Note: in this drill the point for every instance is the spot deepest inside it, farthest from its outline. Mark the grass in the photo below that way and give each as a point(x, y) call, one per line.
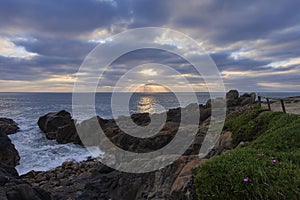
point(268, 168)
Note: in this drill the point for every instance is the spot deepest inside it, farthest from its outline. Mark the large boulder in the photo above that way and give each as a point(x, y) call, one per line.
point(232, 98)
point(247, 99)
point(67, 133)
point(8, 126)
point(59, 126)
point(253, 97)
point(8, 153)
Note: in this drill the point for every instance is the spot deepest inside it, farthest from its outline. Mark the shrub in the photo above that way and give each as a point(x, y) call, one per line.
point(243, 125)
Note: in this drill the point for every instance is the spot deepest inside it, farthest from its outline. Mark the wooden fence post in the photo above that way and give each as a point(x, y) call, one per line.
point(269, 106)
point(259, 101)
point(282, 105)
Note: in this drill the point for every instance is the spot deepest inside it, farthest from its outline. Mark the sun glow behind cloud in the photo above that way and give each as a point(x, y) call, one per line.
point(151, 88)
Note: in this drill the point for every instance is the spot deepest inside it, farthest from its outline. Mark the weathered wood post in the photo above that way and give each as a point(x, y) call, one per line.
point(269, 106)
point(259, 101)
point(282, 105)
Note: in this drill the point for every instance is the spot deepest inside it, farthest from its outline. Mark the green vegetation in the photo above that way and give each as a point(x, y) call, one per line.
point(268, 168)
point(243, 125)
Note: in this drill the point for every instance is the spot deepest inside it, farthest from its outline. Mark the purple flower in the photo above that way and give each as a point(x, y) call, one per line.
point(274, 161)
point(246, 179)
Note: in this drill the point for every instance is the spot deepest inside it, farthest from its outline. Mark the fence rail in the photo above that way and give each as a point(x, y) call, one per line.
point(282, 100)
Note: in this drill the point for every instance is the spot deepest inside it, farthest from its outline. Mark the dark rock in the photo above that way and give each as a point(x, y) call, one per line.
point(141, 119)
point(208, 104)
point(67, 133)
point(7, 173)
point(52, 121)
point(205, 114)
point(232, 94)
point(102, 182)
point(253, 97)
point(8, 153)
point(232, 98)
point(174, 115)
point(59, 126)
point(246, 99)
point(20, 189)
point(197, 142)
point(14, 188)
point(8, 126)
point(11, 186)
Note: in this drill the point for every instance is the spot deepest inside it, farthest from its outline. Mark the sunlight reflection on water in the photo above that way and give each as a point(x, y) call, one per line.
point(145, 104)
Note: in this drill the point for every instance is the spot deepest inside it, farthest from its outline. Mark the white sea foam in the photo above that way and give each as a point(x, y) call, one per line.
point(39, 154)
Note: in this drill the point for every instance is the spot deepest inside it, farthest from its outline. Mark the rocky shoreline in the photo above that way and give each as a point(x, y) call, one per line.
point(92, 180)
point(12, 187)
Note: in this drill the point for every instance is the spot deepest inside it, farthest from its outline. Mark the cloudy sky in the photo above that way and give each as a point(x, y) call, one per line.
point(255, 44)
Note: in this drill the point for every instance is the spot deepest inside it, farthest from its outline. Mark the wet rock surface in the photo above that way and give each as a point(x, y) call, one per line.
point(8, 126)
point(59, 126)
point(11, 186)
point(8, 153)
point(14, 188)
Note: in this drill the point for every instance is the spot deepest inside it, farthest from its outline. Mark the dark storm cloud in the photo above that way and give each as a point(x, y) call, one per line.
point(61, 17)
point(144, 56)
point(224, 61)
point(59, 31)
point(57, 47)
point(150, 13)
point(38, 68)
point(225, 22)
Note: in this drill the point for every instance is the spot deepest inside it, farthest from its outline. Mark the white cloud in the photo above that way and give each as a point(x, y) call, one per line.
point(9, 49)
point(149, 72)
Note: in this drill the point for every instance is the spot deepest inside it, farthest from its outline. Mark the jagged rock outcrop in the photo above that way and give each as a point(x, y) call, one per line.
point(59, 126)
point(8, 153)
point(8, 126)
point(14, 188)
point(92, 180)
point(247, 99)
point(11, 186)
point(233, 99)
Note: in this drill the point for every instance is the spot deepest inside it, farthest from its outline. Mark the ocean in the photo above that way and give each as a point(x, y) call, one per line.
point(38, 153)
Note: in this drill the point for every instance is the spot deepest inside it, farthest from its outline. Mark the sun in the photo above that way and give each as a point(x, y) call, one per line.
point(149, 72)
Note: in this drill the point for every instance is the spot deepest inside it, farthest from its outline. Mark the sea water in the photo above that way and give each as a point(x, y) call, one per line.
point(38, 153)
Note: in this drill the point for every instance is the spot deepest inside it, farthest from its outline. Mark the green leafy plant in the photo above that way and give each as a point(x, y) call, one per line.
point(268, 168)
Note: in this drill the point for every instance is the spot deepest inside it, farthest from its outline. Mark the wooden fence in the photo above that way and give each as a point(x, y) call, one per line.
point(282, 100)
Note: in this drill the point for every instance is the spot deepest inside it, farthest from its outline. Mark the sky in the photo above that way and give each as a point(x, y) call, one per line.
point(254, 44)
